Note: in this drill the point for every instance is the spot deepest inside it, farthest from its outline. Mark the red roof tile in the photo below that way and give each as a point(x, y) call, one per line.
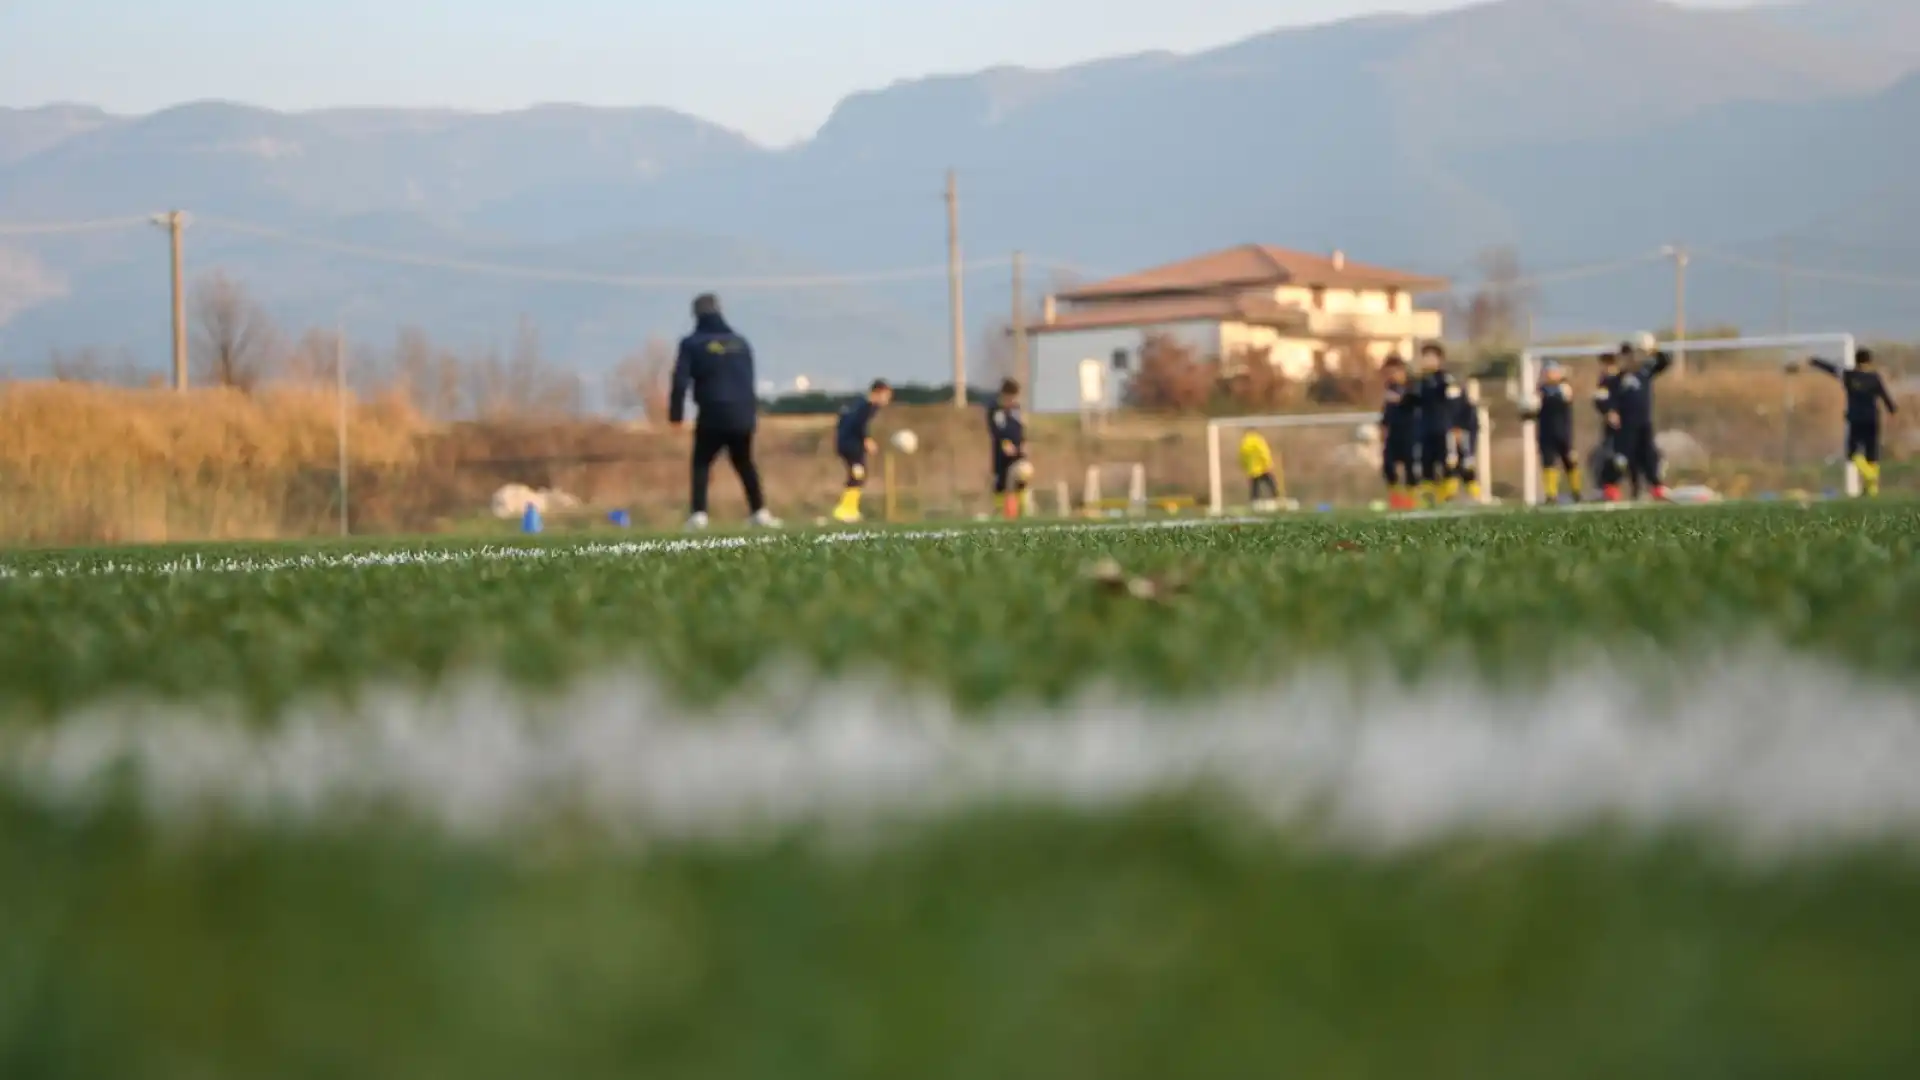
point(1252, 265)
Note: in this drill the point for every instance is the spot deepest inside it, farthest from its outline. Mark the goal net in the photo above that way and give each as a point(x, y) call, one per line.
point(1734, 418)
point(1327, 460)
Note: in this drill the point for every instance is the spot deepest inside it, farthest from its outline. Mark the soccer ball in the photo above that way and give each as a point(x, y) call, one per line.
point(1366, 433)
point(906, 442)
point(1645, 342)
point(1023, 471)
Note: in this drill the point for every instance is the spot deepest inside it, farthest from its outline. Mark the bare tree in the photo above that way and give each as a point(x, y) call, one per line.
point(89, 366)
point(643, 381)
point(1495, 313)
point(314, 358)
point(1172, 377)
point(522, 384)
point(236, 344)
point(432, 378)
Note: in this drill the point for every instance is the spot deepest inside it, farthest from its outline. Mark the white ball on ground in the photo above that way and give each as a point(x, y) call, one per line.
point(1023, 471)
point(906, 442)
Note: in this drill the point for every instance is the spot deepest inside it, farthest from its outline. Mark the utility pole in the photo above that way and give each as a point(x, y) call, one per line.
point(175, 222)
point(340, 394)
point(1022, 370)
point(956, 308)
point(1786, 286)
point(1679, 255)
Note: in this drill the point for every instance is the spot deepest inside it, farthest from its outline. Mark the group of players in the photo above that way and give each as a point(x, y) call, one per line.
point(853, 443)
point(1429, 433)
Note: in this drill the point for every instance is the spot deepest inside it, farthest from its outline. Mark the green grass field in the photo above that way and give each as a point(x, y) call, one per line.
point(1615, 794)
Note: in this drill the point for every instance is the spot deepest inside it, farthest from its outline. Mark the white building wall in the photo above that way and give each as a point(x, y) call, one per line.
point(1056, 360)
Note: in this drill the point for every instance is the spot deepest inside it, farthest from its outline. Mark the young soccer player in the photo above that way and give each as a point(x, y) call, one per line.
point(1464, 442)
point(1632, 415)
point(1608, 463)
point(1866, 393)
point(1009, 435)
point(1399, 435)
point(853, 442)
point(1439, 396)
point(1552, 416)
point(1256, 460)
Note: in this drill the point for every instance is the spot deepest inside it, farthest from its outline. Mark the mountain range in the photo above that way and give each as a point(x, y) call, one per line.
point(1575, 131)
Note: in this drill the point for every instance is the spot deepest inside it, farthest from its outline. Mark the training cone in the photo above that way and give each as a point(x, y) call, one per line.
point(530, 522)
point(620, 519)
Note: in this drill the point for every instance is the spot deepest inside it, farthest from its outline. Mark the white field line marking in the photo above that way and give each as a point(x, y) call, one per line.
point(626, 549)
point(1780, 754)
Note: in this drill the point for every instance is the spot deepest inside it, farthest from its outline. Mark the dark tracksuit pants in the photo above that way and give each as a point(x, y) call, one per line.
point(1863, 440)
point(1400, 458)
point(737, 444)
point(1433, 455)
point(1636, 443)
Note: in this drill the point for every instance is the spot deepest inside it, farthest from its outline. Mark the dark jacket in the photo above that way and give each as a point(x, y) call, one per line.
point(1865, 393)
point(1553, 413)
point(850, 432)
point(716, 365)
point(1440, 396)
point(1005, 427)
point(1633, 392)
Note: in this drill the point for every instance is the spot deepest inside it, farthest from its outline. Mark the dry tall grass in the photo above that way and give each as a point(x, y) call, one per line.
point(96, 464)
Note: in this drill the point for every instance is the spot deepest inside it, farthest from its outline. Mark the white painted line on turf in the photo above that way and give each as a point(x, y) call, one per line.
point(1786, 755)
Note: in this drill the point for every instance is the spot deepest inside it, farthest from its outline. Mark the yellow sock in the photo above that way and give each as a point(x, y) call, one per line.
point(1551, 480)
point(1574, 484)
point(849, 503)
point(1473, 490)
point(1869, 475)
point(1449, 489)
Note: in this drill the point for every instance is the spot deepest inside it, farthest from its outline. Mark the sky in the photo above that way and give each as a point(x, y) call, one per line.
point(770, 68)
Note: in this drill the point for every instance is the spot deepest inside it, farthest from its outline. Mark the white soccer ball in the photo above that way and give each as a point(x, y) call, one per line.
point(1023, 471)
point(1366, 433)
point(906, 442)
point(1645, 342)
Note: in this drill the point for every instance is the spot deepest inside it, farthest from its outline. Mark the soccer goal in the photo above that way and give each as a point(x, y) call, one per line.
point(1320, 459)
point(1737, 417)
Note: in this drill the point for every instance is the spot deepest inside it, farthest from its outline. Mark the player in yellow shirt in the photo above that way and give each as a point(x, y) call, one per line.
point(1256, 459)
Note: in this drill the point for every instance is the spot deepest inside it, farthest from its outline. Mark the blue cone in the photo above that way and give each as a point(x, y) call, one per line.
point(530, 520)
point(1326, 508)
point(620, 519)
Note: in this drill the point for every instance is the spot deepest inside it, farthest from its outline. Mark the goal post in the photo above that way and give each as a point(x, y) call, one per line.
point(1321, 455)
point(1763, 405)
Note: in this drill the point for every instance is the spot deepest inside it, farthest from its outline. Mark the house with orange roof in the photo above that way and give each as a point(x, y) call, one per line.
point(1303, 309)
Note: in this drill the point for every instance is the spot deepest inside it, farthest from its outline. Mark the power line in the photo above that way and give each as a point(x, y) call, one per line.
point(59, 228)
point(1811, 273)
point(622, 281)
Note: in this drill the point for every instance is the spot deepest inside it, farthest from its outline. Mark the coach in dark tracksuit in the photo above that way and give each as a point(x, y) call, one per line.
point(1866, 393)
point(1632, 419)
point(715, 366)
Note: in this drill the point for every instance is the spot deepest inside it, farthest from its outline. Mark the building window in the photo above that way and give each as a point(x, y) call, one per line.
point(1319, 298)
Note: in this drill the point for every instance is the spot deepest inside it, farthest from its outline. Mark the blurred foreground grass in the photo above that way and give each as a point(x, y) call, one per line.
point(1167, 941)
point(985, 614)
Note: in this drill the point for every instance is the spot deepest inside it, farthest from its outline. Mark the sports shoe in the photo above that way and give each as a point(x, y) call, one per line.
point(763, 519)
point(696, 523)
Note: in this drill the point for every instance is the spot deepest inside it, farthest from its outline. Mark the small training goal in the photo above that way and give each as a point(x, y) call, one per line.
point(1733, 417)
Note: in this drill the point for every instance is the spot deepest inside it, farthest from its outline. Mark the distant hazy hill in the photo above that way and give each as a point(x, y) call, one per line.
point(1577, 129)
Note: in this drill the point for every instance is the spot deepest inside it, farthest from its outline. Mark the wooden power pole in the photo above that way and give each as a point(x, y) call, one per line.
point(176, 223)
point(956, 308)
point(1022, 369)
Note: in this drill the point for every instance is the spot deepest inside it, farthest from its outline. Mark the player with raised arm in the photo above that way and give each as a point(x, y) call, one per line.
point(1399, 435)
point(1631, 417)
point(1439, 396)
point(1009, 435)
point(1866, 393)
point(1551, 412)
point(853, 442)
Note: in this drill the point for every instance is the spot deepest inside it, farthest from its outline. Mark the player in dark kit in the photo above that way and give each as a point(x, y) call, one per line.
point(1465, 444)
point(1552, 416)
point(1009, 435)
point(853, 442)
point(1439, 395)
point(1399, 435)
point(1608, 462)
point(715, 366)
point(1866, 393)
point(1631, 417)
